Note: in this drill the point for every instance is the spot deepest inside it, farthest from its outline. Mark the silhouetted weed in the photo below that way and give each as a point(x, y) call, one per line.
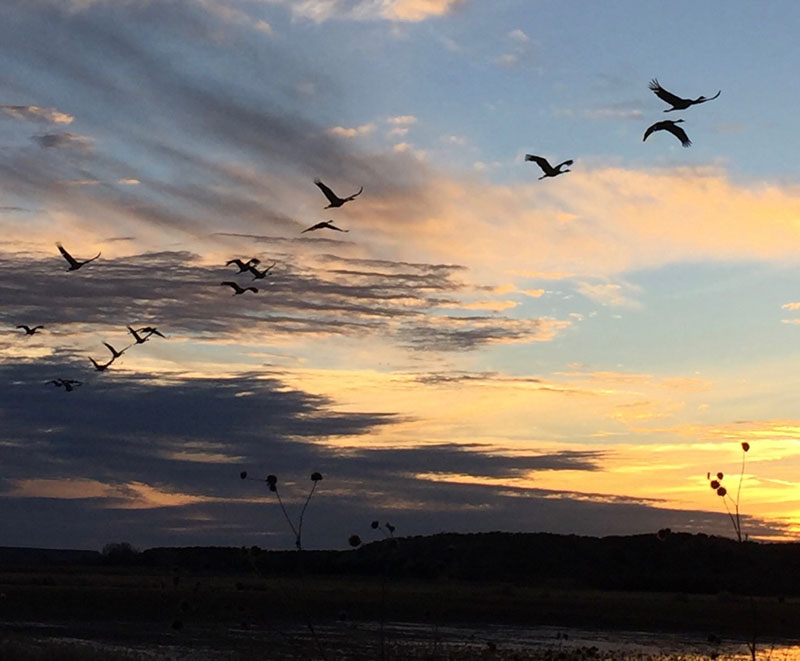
point(731, 504)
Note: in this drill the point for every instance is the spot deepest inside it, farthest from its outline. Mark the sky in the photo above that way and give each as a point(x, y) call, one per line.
point(480, 350)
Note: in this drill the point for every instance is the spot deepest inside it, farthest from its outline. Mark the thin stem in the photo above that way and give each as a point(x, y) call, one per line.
point(302, 514)
point(288, 520)
point(738, 492)
point(733, 521)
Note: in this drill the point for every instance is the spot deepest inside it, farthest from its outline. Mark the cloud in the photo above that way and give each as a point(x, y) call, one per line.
point(614, 294)
point(791, 306)
point(466, 333)
point(63, 140)
point(615, 111)
point(520, 48)
point(343, 132)
point(402, 120)
point(37, 114)
point(370, 10)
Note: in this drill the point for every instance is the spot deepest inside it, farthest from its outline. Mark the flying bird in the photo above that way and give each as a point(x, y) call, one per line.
point(100, 367)
point(243, 266)
point(151, 330)
point(138, 338)
point(68, 384)
point(260, 275)
point(237, 289)
point(28, 329)
point(677, 102)
point(114, 353)
point(333, 198)
point(324, 224)
point(74, 264)
point(549, 170)
point(669, 125)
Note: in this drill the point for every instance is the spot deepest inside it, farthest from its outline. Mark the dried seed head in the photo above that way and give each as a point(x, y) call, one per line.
point(243, 475)
point(374, 525)
point(720, 476)
point(745, 446)
point(354, 541)
point(722, 491)
point(316, 477)
point(714, 484)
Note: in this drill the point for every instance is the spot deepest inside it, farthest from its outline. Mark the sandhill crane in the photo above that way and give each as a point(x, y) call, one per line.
point(677, 102)
point(260, 275)
point(237, 290)
point(74, 264)
point(669, 125)
point(28, 329)
point(323, 225)
point(114, 353)
point(137, 338)
point(68, 384)
point(333, 198)
point(100, 367)
point(151, 330)
point(549, 170)
point(243, 266)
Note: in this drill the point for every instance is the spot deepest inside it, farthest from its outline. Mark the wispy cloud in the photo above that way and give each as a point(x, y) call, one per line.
point(37, 114)
point(63, 140)
point(344, 132)
point(370, 10)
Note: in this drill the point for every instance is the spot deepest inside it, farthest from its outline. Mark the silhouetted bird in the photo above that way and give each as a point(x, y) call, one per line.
point(28, 330)
point(323, 225)
point(335, 200)
point(243, 266)
point(237, 289)
point(68, 384)
point(99, 366)
point(260, 275)
point(549, 170)
point(151, 330)
point(74, 264)
point(138, 338)
point(114, 353)
point(677, 102)
point(669, 125)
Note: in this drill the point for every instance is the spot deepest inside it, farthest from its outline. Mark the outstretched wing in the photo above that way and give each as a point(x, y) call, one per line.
point(679, 133)
point(234, 285)
point(540, 161)
point(67, 256)
point(355, 195)
point(315, 227)
point(332, 197)
point(664, 95)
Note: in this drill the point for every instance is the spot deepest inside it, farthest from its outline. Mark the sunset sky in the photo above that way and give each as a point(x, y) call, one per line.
point(480, 351)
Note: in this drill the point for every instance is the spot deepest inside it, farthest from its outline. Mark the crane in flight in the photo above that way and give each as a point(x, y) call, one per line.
point(334, 200)
point(74, 264)
point(260, 275)
point(549, 170)
point(671, 126)
point(237, 290)
point(677, 102)
point(29, 330)
point(325, 224)
point(68, 384)
point(243, 266)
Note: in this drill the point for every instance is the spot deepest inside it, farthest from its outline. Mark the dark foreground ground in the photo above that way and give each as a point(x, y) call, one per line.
point(248, 604)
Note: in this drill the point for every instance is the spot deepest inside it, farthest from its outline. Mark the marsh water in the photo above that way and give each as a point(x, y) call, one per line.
point(395, 640)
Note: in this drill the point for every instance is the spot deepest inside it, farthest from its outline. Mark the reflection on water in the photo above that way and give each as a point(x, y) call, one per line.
point(360, 640)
